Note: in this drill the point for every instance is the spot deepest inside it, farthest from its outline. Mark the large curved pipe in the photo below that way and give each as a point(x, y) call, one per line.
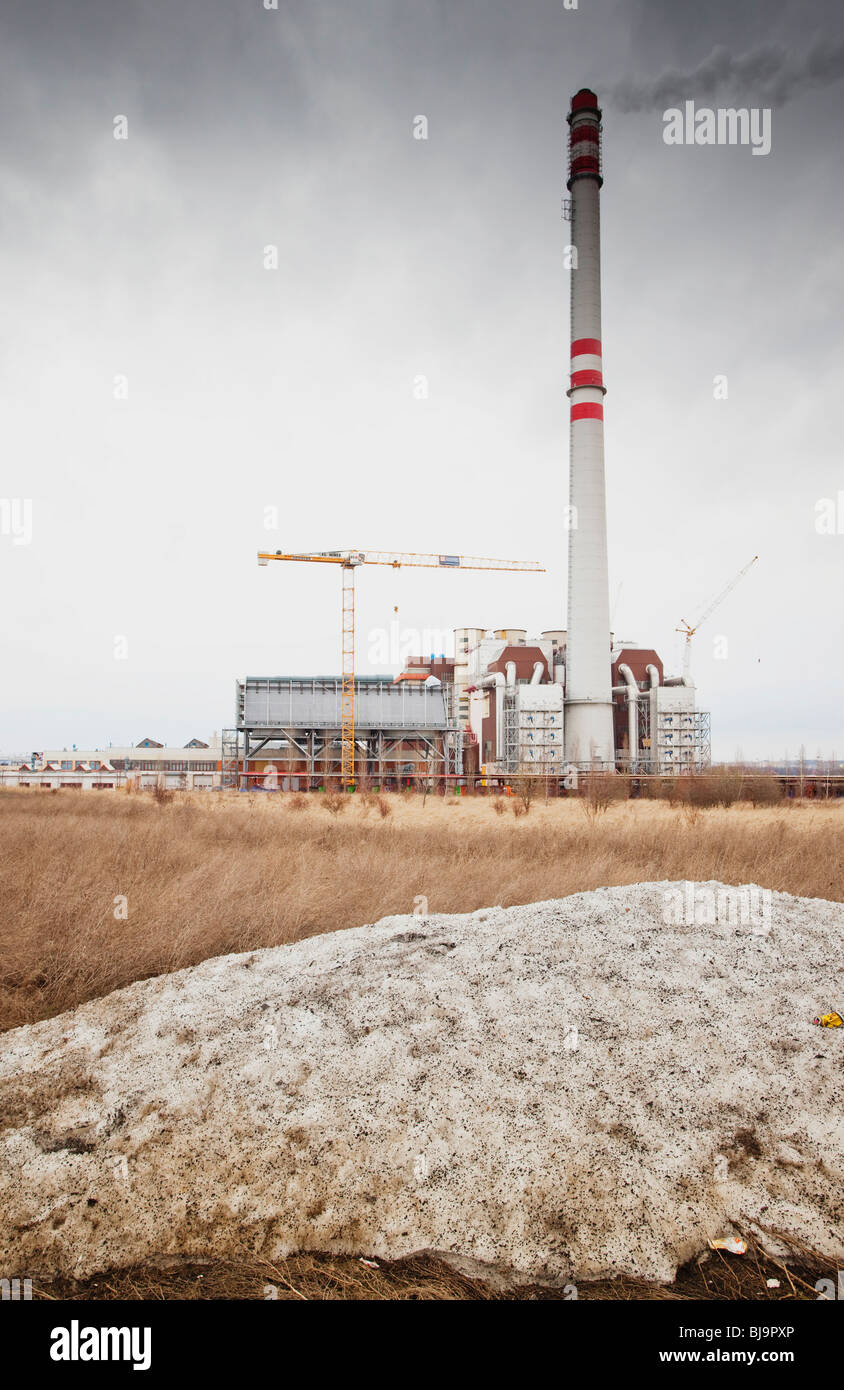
point(510, 668)
point(497, 680)
point(632, 712)
point(538, 668)
point(653, 675)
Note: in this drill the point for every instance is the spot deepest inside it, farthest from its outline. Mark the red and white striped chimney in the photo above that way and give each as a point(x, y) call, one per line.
point(588, 718)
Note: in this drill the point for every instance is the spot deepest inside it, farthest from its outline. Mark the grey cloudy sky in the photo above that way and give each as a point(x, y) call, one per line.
point(250, 388)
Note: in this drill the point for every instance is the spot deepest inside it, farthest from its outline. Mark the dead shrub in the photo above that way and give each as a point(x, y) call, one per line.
point(498, 805)
point(695, 790)
point(598, 790)
point(657, 788)
point(384, 807)
point(690, 812)
point(763, 790)
point(727, 784)
point(527, 791)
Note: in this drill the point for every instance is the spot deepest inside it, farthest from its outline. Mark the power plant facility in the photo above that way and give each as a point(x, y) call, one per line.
point(497, 709)
point(505, 704)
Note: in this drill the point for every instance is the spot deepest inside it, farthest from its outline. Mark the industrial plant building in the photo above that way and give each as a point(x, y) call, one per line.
point(494, 711)
point(292, 726)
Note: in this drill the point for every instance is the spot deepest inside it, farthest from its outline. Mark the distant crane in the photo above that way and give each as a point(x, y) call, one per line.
point(689, 631)
point(349, 560)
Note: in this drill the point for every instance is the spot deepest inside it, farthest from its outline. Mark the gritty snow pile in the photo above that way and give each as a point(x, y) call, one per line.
point(590, 1086)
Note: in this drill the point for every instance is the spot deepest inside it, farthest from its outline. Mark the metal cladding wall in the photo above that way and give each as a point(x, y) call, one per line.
point(277, 702)
point(589, 722)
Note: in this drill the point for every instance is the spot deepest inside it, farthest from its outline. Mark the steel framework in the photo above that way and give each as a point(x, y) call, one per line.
point(314, 755)
point(511, 732)
point(686, 747)
point(298, 723)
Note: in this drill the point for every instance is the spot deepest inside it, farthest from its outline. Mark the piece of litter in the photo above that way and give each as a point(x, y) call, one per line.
point(772, 1283)
point(370, 1264)
point(830, 1020)
point(734, 1244)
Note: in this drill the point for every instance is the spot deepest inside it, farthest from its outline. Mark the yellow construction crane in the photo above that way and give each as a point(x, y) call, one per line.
point(689, 631)
point(349, 560)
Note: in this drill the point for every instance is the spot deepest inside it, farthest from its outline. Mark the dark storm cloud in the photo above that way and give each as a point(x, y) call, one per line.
point(771, 74)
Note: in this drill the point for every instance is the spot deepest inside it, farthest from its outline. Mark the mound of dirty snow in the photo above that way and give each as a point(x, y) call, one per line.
point(558, 1091)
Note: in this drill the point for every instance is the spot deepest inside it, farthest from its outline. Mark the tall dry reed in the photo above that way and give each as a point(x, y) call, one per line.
point(99, 890)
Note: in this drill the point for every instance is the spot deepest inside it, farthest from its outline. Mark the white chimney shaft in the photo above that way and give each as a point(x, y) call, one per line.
point(589, 721)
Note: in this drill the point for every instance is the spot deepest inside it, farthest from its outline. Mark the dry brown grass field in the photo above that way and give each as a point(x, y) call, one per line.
point(204, 875)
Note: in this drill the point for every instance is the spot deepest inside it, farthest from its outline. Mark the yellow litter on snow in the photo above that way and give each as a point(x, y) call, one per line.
point(734, 1244)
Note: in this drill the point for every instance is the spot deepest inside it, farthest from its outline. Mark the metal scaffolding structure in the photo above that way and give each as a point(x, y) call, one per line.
point(680, 742)
point(231, 758)
point(510, 761)
point(296, 725)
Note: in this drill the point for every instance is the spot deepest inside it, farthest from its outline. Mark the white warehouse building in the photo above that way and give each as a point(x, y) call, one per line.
point(148, 764)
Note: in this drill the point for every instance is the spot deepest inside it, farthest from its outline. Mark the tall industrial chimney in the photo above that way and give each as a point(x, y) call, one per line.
point(588, 711)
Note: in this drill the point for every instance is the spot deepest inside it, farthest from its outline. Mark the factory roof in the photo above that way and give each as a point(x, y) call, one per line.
point(303, 702)
point(307, 680)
